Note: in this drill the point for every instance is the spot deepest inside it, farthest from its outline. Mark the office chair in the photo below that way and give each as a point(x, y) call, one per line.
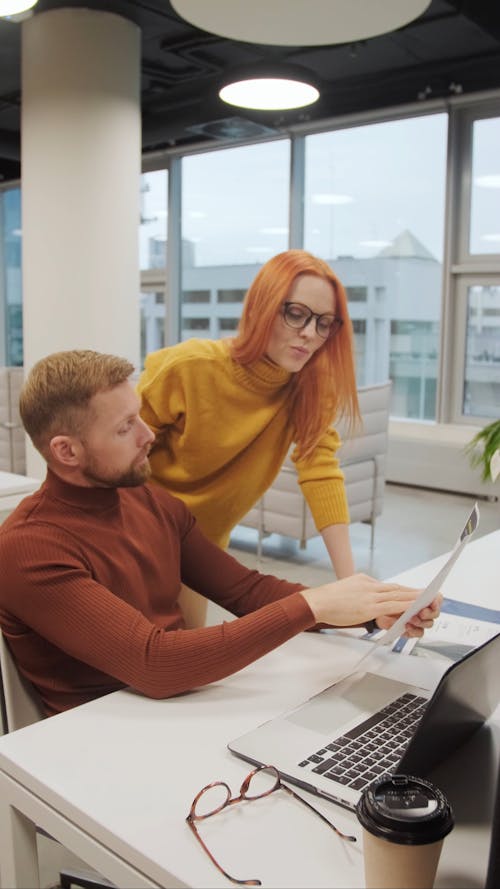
point(20, 703)
point(20, 706)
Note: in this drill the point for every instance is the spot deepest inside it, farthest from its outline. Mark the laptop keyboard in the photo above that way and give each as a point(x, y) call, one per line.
point(372, 748)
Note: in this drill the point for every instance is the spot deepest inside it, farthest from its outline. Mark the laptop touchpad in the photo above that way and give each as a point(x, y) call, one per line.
point(353, 699)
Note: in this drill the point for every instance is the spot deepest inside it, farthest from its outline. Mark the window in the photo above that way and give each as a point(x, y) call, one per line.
point(152, 314)
point(359, 328)
point(196, 296)
point(413, 368)
point(196, 324)
point(481, 393)
point(11, 347)
point(472, 347)
point(230, 296)
point(153, 224)
point(227, 325)
point(152, 260)
point(356, 294)
point(234, 217)
point(374, 209)
point(485, 190)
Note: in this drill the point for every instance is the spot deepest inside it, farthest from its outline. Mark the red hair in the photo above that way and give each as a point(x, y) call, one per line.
point(325, 388)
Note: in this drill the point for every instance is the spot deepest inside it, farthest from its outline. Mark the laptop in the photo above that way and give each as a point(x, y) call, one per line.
point(368, 724)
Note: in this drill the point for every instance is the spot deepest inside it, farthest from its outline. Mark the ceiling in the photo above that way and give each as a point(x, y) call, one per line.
point(454, 47)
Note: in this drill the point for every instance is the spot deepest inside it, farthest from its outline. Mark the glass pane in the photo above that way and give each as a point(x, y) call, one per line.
point(153, 223)
point(11, 349)
point(482, 353)
point(230, 296)
point(152, 307)
point(227, 326)
point(196, 296)
point(234, 218)
point(413, 368)
point(374, 209)
point(485, 195)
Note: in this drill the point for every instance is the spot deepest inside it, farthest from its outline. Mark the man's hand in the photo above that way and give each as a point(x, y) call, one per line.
point(419, 622)
point(360, 598)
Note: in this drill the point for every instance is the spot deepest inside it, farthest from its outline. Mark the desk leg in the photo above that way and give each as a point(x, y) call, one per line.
point(18, 850)
point(21, 811)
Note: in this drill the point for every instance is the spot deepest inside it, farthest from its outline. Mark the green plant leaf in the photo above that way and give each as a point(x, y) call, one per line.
point(481, 448)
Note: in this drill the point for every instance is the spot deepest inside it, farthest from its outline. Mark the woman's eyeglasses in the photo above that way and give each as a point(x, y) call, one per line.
point(258, 784)
point(298, 316)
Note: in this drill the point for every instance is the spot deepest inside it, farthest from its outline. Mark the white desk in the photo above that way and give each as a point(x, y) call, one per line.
point(113, 780)
point(13, 488)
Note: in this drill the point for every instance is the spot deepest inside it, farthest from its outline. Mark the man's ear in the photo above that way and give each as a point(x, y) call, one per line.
point(65, 450)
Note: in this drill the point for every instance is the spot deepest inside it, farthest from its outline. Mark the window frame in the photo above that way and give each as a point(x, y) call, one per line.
point(463, 268)
point(460, 269)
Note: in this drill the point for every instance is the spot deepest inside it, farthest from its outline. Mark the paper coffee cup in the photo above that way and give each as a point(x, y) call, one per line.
point(405, 820)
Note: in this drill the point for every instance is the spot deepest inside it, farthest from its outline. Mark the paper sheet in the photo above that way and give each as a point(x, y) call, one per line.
point(426, 596)
point(432, 589)
point(460, 628)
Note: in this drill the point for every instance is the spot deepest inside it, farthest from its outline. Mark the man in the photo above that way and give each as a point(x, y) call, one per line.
point(93, 562)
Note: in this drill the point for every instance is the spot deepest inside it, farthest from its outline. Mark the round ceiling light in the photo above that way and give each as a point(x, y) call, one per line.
point(271, 93)
point(14, 7)
point(299, 22)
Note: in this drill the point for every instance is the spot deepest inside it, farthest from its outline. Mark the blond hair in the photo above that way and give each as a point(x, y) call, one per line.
point(55, 397)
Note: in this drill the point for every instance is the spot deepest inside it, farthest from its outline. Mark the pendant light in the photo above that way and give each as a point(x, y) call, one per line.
point(15, 7)
point(276, 87)
point(299, 22)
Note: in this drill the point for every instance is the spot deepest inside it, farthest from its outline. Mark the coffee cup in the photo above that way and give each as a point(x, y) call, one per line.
point(405, 820)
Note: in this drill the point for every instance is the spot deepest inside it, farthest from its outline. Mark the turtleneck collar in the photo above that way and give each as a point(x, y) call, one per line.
point(79, 496)
point(262, 375)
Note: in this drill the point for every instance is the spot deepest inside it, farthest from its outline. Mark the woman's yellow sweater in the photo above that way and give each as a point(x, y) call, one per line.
point(222, 433)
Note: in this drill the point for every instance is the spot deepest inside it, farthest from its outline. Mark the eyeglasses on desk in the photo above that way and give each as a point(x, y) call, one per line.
point(261, 782)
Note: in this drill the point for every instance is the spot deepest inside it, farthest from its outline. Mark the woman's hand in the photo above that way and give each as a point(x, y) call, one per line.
point(360, 598)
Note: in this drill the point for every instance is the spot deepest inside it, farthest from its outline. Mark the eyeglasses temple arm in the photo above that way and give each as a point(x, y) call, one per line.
point(193, 827)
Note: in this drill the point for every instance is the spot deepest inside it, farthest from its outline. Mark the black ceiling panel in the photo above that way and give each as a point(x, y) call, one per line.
point(455, 44)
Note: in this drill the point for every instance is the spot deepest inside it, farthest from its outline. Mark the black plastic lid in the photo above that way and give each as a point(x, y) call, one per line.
point(405, 809)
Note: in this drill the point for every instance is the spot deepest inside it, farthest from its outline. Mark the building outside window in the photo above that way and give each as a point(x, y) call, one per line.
point(481, 394)
point(228, 326)
point(374, 209)
point(196, 296)
point(413, 368)
point(152, 260)
point(230, 296)
point(476, 302)
point(152, 315)
point(235, 217)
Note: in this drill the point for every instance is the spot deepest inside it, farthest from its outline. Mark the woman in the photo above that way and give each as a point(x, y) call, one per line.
point(225, 412)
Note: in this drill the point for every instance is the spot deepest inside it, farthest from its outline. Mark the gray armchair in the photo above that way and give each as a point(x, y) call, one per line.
point(283, 509)
point(12, 438)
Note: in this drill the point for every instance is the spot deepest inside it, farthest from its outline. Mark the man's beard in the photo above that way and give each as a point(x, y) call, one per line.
point(131, 478)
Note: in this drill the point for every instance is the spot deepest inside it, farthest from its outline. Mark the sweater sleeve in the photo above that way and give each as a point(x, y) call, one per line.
point(51, 590)
point(161, 390)
point(322, 482)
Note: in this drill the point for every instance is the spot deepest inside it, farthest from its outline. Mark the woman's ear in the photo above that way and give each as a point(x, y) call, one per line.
point(64, 450)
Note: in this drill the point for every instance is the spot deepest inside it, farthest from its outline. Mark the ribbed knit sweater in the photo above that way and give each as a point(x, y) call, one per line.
point(222, 434)
point(89, 589)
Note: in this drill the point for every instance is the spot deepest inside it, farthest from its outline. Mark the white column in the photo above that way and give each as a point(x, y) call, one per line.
point(80, 165)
